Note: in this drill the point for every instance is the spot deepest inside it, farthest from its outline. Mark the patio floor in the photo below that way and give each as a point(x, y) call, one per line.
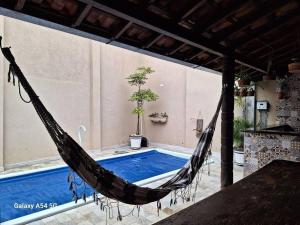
point(91, 214)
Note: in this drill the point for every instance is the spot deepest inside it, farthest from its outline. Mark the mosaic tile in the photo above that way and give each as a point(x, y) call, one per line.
point(290, 107)
point(268, 147)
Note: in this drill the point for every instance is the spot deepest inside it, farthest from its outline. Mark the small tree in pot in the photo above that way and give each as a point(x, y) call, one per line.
point(139, 79)
point(239, 125)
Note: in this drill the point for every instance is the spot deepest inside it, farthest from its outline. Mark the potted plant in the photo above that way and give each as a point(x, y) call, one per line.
point(239, 125)
point(294, 67)
point(243, 92)
point(160, 118)
point(250, 92)
point(138, 79)
point(242, 78)
point(281, 87)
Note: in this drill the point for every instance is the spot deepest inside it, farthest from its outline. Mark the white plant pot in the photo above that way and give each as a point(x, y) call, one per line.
point(239, 157)
point(135, 141)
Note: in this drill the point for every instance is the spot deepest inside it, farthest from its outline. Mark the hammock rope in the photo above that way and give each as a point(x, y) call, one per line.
point(100, 179)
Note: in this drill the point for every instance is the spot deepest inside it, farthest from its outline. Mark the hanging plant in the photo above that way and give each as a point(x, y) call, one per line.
point(242, 78)
point(250, 92)
point(243, 92)
point(294, 67)
point(282, 87)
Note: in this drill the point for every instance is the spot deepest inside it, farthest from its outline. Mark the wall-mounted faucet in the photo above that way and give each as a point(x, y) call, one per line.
point(80, 129)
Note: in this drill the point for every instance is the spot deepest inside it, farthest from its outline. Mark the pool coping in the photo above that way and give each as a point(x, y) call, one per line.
point(71, 205)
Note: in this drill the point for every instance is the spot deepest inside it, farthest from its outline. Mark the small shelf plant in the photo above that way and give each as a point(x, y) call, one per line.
point(282, 87)
point(159, 118)
point(239, 125)
point(139, 79)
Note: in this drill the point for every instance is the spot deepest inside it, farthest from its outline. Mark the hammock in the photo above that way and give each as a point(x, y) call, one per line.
point(100, 179)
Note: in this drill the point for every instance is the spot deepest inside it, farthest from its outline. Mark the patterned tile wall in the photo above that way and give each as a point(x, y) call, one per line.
point(288, 110)
point(260, 149)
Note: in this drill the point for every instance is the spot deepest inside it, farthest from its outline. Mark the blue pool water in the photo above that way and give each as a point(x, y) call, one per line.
point(43, 190)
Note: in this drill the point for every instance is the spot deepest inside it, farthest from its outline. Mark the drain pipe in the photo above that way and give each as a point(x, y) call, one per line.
point(79, 133)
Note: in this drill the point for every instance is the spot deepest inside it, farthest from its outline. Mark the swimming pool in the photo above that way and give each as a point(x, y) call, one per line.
point(30, 193)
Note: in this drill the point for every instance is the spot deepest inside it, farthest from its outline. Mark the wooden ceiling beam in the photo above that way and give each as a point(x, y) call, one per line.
point(220, 67)
point(269, 27)
point(262, 10)
point(277, 50)
point(211, 60)
point(149, 20)
point(252, 72)
point(123, 30)
point(152, 42)
point(271, 44)
point(82, 15)
point(221, 15)
point(145, 18)
point(177, 49)
point(287, 56)
point(193, 9)
point(196, 55)
point(248, 63)
point(19, 5)
point(141, 16)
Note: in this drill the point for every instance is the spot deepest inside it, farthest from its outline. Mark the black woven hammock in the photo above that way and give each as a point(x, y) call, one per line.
point(100, 179)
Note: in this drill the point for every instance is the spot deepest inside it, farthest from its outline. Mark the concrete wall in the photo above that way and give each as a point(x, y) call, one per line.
point(83, 82)
point(58, 67)
point(169, 82)
point(202, 96)
point(266, 90)
point(117, 120)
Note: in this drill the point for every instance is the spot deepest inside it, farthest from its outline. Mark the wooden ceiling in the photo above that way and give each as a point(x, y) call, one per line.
point(197, 32)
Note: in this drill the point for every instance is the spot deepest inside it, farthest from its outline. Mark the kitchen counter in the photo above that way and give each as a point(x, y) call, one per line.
point(283, 130)
point(265, 145)
point(269, 196)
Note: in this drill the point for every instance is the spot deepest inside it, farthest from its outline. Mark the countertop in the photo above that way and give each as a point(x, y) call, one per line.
point(270, 195)
point(282, 130)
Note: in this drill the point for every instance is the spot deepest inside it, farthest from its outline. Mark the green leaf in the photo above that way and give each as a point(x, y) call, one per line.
point(138, 110)
point(139, 77)
point(239, 125)
point(143, 95)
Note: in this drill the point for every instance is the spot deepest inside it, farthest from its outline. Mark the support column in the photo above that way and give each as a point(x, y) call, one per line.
point(227, 122)
point(2, 75)
point(95, 101)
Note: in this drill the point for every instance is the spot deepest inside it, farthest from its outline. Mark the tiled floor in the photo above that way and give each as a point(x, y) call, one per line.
point(91, 214)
